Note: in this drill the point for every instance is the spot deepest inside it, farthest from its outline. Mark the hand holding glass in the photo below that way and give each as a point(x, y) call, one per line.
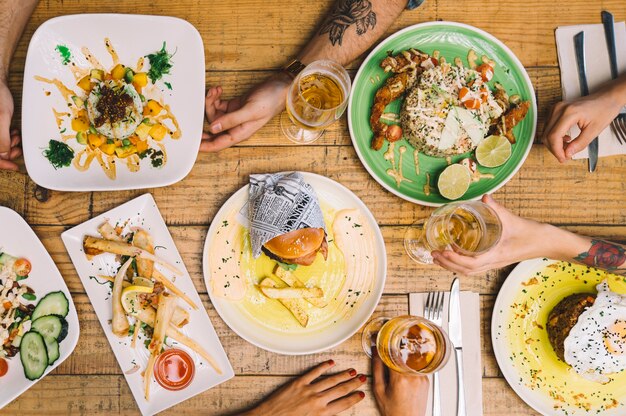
point(316, 98)
point(469, 228)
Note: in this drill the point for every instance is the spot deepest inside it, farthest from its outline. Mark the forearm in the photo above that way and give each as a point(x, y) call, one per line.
point(560, 244)
point(351, 27)
point(616, 90)
point(14, 15)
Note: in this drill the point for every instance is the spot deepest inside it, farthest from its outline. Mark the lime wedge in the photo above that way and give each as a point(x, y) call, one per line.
point(493, 151)
point(454, 181)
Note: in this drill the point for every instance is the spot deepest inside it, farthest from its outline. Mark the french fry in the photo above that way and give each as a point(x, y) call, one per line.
point(119, 322)
point(165, 311)
point(147, 376)
point(143, 240)
point(164, 314)
point(107, 232)
point(288, 277)
point(94, 246)
point(135, 333)
point(174, 333)
point(157, 275)
point(293, 305)
point(180, 337)
point(292, 292)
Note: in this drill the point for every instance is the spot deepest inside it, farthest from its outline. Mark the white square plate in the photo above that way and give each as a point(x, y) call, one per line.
point(19, 240)
point(132, 36)
point(143, 212)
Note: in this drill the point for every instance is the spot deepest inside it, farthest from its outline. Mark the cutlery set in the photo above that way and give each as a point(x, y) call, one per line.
point(433, 311)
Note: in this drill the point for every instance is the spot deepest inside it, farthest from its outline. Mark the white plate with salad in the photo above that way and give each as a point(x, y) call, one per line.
point(147, 305)
point(112, 102)
point(38, 321)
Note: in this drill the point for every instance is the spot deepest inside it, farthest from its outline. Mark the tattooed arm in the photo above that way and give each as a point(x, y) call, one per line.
point(524, 239)
point(351, 27)
point(13, 17)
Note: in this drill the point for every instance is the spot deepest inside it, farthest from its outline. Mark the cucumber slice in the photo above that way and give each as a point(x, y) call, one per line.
point(34, 355)
point(81, 137)
point(54, 303)
point(7, 258)
point(52, 326)
point(52, 348)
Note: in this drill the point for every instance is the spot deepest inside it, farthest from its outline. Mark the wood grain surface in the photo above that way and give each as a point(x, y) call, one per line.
point(90, 382)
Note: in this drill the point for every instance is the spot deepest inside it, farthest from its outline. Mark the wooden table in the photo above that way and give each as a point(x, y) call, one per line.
point(90, 381)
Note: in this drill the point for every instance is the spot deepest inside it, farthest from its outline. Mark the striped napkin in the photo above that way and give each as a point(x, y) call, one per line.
point(598, 73)
point(472, 366)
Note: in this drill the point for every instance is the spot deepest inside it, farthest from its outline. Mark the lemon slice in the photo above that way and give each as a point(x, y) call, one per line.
point(143, 281)
point(130, 301)
point(493, 151)
point(454, 181)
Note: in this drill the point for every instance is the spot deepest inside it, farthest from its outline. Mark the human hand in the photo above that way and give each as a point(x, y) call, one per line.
point(233, 121)
point(521, 239)
point(308, 395)
point(398, 394)
point(9, 140)
point(591, 114)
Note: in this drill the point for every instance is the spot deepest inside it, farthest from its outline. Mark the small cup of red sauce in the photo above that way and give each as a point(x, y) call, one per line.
point(174, 369)
point(4, 367)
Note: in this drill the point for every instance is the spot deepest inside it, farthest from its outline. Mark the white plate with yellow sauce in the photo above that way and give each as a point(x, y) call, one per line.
point(62, 52)
point(521, 345)
point(352, 278)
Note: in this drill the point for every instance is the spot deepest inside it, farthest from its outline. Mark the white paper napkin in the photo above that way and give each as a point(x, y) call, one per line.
point(598, 73)
point(472, 367)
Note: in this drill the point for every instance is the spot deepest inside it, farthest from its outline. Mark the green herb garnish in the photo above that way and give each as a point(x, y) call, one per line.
point(29, 296)
point(59, 154)
point(66, 54)
point(168, 85)
point(289, 267)
point(160, 64)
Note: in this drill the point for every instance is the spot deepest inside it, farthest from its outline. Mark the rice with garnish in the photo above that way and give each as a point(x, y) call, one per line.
point(436, 122)
point(133, 112)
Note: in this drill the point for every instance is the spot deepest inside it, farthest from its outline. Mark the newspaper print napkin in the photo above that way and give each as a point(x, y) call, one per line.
point(279, 203)
point(472, 366)
point(598, 73)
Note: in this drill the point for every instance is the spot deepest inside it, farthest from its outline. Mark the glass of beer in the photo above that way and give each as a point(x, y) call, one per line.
point(468, 227)
point(317, 98)
point(407, 344)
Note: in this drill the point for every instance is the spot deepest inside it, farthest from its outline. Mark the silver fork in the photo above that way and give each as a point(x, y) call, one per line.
point(618, 126)
point(433, 309)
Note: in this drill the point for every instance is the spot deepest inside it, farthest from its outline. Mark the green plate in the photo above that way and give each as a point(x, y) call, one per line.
point(451, 40)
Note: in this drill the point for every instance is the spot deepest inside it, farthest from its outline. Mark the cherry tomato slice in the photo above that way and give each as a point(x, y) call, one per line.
point(472, 104)
point(486, 72)
point(463, 94)
point(22, 267)
point(394, 133)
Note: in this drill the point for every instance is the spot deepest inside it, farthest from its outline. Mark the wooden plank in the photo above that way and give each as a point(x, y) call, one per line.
point(109, 394)
point(232, 41)
point(12, 194)
point(543, 189)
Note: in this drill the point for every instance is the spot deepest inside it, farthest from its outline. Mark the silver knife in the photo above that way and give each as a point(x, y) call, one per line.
point(579, 45)
point(456, 337)
point(609, 32)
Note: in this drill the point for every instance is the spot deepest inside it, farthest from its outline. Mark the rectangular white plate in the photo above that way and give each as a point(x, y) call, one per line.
point(19, 240)
point(132, 36)
point(143, 212)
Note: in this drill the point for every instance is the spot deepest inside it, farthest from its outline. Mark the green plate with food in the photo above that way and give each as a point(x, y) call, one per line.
point(442, 96)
